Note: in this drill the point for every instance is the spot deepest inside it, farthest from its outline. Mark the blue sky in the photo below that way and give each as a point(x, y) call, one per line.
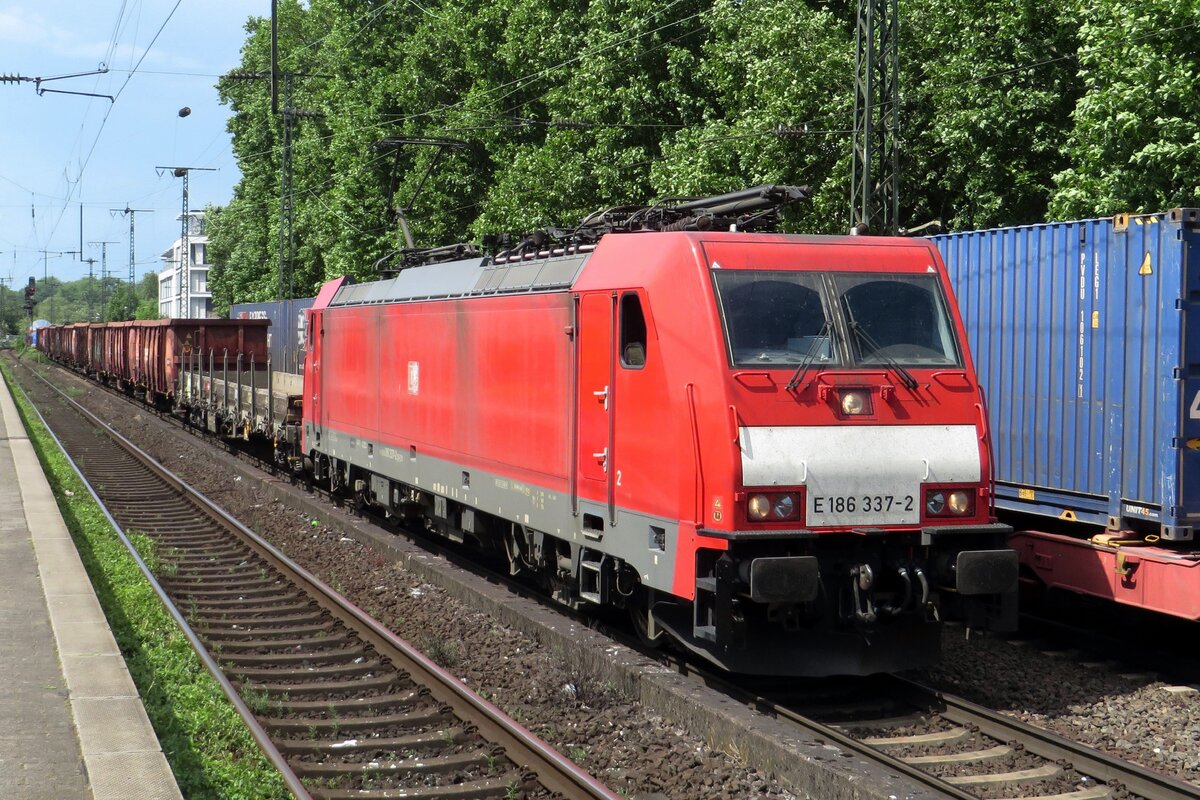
point(59, 150)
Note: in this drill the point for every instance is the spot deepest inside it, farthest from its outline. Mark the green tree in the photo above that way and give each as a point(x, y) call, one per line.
point(560, 107)
point(770, 96)
point(122, 304)
point(987, 99)
point(244, 235)
point(12, 310)
point(1135, 141)
point(595, 114)
point(147, 297)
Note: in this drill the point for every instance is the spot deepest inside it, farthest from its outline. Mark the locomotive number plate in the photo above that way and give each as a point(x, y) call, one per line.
point(838, 508)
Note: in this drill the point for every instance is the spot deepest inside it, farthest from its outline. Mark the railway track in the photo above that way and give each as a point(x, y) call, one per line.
point(954, 747)
point(339, 704)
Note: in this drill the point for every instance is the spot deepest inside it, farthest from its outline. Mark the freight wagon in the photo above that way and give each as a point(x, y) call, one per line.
point(32, 333)
point(1086, 337)
point(213, 370)
point(286, 339)
point(288, 332)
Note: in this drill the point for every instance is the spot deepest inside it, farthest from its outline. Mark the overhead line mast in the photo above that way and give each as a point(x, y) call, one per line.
point(103, 272)
point(91, 298)
point(289, 117)
point(875, 170)
point(132, 256)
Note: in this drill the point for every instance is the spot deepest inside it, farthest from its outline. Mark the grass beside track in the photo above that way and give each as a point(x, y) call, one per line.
point(207, 745)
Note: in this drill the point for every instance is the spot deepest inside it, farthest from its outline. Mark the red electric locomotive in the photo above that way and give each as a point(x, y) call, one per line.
point(771, 449)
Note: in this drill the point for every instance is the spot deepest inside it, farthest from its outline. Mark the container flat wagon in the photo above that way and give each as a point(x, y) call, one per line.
point(286, 339)
point(1086, 335)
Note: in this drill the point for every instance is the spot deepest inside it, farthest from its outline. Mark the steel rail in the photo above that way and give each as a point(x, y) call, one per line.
point(1116, 773)
point(766, 705)
point(555, 772)
point(1138, 780)
point(261, 736)
point(1121, 777)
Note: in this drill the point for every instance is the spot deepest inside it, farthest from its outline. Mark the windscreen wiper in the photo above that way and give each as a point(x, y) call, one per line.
point(809, 357)
point(905, 376)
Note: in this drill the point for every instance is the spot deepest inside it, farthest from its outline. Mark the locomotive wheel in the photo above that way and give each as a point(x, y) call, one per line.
point(359, 501)
point(335, 477)
point(639, 615)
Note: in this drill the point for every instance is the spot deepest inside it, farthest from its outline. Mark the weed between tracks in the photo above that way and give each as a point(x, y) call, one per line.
point(204, 740)
point(441, 651)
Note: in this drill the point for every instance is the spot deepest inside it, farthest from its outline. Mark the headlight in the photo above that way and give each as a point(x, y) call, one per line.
point(784, 506)
point(949, 502)
point(758, 507)
point(854, 403)
point(773, 507)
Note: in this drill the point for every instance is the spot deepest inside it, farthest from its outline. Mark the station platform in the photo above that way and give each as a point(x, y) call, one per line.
point(74, 726)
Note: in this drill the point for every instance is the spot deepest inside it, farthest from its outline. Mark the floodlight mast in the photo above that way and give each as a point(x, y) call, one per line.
point(183, 274)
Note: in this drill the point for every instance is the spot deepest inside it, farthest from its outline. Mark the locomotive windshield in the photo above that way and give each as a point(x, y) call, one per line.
point(776, 317)
point(835, 319)
point(898, 318)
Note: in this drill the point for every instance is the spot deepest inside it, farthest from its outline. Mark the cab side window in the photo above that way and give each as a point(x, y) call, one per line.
point(633, 332)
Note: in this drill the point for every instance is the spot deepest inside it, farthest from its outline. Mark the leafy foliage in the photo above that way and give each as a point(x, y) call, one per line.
point(772, 94)
point(1135, 140)
point(546, 110)
point(12, 311)
point(989, 90)
point(83, 300)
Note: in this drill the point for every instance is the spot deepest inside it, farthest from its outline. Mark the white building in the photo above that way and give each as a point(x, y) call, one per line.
point(199, 301)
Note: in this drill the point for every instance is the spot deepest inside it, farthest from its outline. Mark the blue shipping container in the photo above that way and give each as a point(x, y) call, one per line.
point(1086, 336)
point(286, 336)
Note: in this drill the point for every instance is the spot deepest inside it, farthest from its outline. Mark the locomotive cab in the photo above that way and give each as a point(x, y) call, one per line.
point(841, 493)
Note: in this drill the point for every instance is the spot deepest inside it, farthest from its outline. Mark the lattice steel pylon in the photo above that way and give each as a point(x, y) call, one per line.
point(130, 212)
point(875, 172)
point(184, 274)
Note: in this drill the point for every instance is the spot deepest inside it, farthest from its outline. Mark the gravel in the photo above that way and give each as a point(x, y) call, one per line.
point(1131, 715)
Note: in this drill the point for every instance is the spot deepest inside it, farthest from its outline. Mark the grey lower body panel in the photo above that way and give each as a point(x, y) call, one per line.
point(644, 542)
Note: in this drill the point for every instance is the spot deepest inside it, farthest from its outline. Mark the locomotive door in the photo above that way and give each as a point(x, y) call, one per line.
point(595, 323)
point(313, 368)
